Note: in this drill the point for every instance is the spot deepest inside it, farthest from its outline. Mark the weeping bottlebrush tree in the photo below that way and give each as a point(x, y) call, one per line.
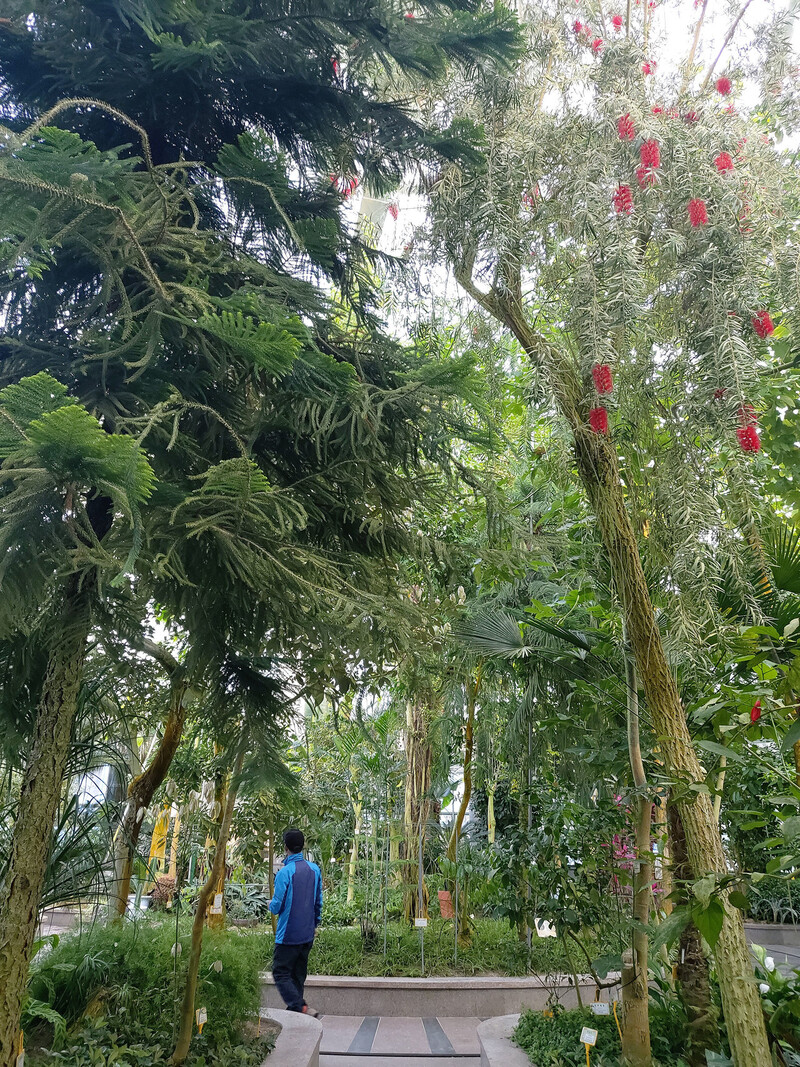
point(635, 234)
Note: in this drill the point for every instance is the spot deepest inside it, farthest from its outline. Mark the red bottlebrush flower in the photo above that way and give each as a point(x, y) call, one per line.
point(335, 65)
point(625, 128)
point(577, 26)
point(698, 212)
point(650, 154)
point(597, 44)
point(648, 67)
point(623, 201)
point(394, 210)
point(723, 86)
point(762, 324)
point(719, 394)
point(658, 110)
point(672, 113)
point(616, 22)
point(691, 117)
point(748, 438)
point(603, 382)
point(730, 110)
point(598, 420)
point(723, 162)
point(410, 15)
point(755, 712)
point(645, 176)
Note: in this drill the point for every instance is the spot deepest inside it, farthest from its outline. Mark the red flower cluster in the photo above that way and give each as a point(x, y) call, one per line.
point(723, 86)
point(658, 110)
point(645, 176)
point(598, 420)
point(603, 382)
point(723, 162)
point(748, 438)
point(698, 213)
point(648, 67)
point(616, 22)
point(597, 44)
point(625, 128)
point(755, 711)
point(577, 26)
point(762, 324)
point(650, 154)
point(394, 210)
point(691, 117)
point(748, 416)
point(623, 201)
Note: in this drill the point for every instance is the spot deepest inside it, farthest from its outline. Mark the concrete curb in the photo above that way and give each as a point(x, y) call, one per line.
point(482, 997)
point(497, 1048)
point(298, 1042)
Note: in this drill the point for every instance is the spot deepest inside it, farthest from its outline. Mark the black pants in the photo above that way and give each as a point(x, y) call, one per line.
point(289, 970)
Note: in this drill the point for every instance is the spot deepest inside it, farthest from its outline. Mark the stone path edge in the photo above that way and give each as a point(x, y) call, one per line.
point(497, 1048)
point(531, 981)
point(298, 1042)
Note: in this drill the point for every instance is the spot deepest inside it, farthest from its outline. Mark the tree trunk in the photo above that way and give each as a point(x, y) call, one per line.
point(143, 787)
point(216, 918)
point(358, 807)
point(692, 969)
point(187, 1007)
point(598, 469)
point(39, 796)
point(417, 804)
point(464, 925)
point(635, 992)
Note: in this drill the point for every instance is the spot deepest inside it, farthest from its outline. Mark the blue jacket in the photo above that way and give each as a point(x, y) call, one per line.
point(297, 900)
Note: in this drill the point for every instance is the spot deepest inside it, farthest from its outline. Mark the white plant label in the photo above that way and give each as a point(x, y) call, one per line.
point(202, 1016)
point(20, 1060)
point(588, 1036)
point(216, 907)
point(421, 923)
point(600, 1008)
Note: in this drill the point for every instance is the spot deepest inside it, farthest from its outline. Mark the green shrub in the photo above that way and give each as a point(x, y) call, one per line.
point(129, 973)
point(554, 1041)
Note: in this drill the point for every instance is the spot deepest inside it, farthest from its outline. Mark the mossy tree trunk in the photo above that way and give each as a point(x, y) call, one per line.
point(186, 1024)
point(464, 927)
point(417, 807)
point(39, 797)
point(598, 470)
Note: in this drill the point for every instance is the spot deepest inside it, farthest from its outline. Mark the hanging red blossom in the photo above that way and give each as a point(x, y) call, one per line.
point(577, 26)
point(755, 711)
point(598, 420)
point(691, 117)
point(645, 176)
point(597, 44)
point(658, 110)
point(748, 438)
point(623, 200)
point(719, 394)
point(698, 212)
point(335, 65)
point(650, 154)
point(625, 128)
point(723, 162)
point(649, 67)
point(603, 382)
point(762, 324)
point(723, 86)
point(748, 416)
point(394, 210)
point(616, 22)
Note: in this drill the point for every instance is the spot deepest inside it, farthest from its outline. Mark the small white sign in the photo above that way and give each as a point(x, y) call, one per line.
point(216, 907)
point(588, 1036)
point(20, 1060)
point(202, 1016)
point(421, 923)
point(600, 1008)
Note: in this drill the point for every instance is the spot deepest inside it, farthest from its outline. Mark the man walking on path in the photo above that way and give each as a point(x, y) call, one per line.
point(297, 901)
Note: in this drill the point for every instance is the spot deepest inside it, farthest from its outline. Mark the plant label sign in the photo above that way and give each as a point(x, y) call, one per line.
point(600, 1008)
point(20, 1060)
point(588, 1036)
point(202, 1018)
point(420, 923)
point(216, 907)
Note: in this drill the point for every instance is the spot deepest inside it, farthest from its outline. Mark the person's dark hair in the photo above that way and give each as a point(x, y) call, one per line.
point(294, 840)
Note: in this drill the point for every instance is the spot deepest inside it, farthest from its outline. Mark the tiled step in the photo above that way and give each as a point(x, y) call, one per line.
point(368, 1038)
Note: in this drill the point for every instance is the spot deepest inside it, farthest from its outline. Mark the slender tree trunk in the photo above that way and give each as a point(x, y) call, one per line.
point(464, 925)
point(598, 469)
point(144, 785)
point(417, 804)
point(358, 807)
point(173, 851)
point(635, 993)
point(216, 919)
point(692, 969)
point(40, 793)
point(187, 1007)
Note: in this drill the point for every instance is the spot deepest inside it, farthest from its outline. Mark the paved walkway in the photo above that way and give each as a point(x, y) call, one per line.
point(359, 1041)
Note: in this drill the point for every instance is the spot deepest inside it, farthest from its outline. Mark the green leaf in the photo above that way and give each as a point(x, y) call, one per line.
point(671, 928)
point(709, 921)
point(791, 828)
point(791, 737)
point(721, 750)
point(739, 900)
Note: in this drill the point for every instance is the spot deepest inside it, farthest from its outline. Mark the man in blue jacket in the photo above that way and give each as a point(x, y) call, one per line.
point(297, 901)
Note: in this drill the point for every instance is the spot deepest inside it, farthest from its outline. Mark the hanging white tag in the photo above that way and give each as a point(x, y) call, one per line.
point(202, 1016)
point(588, 1036)
point(600, 1008)
point(20, 1060)
point(421, 923)
point(216, 907)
